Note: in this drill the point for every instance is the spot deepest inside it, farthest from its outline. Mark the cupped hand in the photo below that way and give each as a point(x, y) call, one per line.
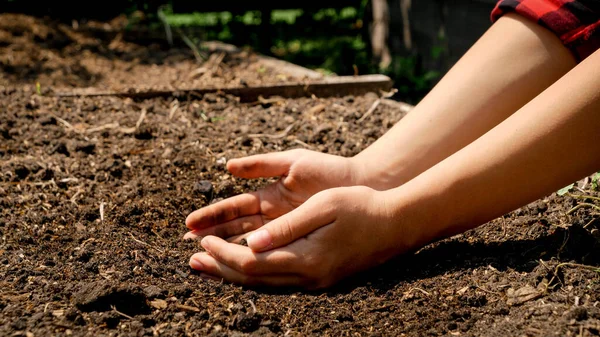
point(302, 174)
point(332, 235)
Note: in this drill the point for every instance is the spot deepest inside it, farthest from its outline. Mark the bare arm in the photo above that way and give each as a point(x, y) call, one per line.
point(547, 144)
point(512, 63)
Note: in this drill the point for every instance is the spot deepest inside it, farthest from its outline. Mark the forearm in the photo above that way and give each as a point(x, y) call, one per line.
point(547, 144)
point(512, 63)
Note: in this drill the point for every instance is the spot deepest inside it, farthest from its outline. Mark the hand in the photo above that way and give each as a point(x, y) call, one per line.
point(332, 235)
point(303, 173)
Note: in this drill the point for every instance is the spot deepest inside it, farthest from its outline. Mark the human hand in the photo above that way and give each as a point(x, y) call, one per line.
point(303, 173)
point(332, 235)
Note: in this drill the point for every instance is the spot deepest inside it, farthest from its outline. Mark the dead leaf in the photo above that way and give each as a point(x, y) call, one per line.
point(187, 308)
point(158, 304)
point(522, 295)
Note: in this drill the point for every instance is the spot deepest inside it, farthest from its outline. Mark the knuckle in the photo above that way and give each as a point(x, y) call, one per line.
point(286, 230)
point(312, 264)
point(248, 265)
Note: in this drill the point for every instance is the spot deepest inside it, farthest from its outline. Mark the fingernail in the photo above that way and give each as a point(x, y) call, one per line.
point(205, 243)
point(209, 277)
point(190, 236)
point(195, 264)
point(259, 240)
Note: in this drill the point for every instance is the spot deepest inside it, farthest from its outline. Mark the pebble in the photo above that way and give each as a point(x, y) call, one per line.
point(205, 188)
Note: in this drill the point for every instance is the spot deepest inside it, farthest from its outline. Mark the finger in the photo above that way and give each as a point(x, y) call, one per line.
point(215, 269)
point(245, 261)
point(224, 211)
point(230, 228)
point(263, 165)
point(315, 213)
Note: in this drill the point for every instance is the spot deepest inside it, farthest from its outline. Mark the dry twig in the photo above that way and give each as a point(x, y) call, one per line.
point(584, 196)
point(120, 313)
point(102, 212)
point(141, 119)
point(253, 306)
point(278, 136)
point(376, 104)
point(175, 106)
point(582, 205)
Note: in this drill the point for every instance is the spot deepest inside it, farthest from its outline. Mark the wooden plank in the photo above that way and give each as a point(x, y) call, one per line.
point(328, 87)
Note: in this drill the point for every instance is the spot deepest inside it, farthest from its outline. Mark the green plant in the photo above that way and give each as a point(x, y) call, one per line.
point(595, 180)
point(565, 189)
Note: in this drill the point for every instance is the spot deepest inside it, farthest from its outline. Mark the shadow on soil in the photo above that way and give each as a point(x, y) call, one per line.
point(574, 244)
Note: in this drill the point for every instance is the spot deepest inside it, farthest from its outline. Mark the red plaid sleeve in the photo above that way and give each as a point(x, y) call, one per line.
point(575, 22)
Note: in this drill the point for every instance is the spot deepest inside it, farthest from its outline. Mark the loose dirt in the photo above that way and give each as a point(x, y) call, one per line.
point(94, 193)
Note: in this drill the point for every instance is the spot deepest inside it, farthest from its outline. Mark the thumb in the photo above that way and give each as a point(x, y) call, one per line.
point(315, 213)
point(262, 165)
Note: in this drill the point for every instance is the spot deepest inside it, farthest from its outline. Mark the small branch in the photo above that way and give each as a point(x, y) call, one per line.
point(582, 205)
point(66, 124)
point(583, 196)
point(141, 119)
point(278, 136)
point(253, 306)
point(419, 289)
point(102, 212)
point(370, 111)
point(298, 141)
point(485, 290)
point(168, 32)
point(120, 313)
point(173, 109)
point(138, 241)
point(578, 265)
point(199, 57)
point(589, 223)
point(376, 104)
point(103, 127)
point(145, 244)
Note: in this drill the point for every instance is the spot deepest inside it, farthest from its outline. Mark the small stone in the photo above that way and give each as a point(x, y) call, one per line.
point(205, 188)
point(153, 292)
point(88, 148)
point(247, 322)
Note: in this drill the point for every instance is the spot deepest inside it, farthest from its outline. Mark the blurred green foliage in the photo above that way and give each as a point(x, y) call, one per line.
point(332, 41)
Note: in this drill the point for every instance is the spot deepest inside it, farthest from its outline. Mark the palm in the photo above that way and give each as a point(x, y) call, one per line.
point(303, 173)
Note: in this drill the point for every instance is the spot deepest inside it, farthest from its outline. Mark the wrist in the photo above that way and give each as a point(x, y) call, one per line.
point(417, 216)
point(369, 173)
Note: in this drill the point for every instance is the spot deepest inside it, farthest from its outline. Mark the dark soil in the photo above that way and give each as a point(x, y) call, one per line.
point(92, 212)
